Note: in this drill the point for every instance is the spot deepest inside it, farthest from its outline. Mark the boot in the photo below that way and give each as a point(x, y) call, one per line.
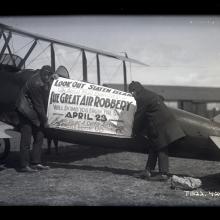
point(27, 169)
point(144, 174)
point(40, 167)
point(159, 177)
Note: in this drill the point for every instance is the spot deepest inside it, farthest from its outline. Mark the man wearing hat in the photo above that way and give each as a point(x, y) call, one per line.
point(154, 121)
point(31, 106)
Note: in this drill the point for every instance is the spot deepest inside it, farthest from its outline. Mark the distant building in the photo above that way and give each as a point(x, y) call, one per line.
point(204, 101)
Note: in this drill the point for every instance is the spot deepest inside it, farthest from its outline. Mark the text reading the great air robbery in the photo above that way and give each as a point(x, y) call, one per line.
point(85, 100)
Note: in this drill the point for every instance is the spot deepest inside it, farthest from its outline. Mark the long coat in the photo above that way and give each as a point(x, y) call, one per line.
point(154, 120)
point(32, 100)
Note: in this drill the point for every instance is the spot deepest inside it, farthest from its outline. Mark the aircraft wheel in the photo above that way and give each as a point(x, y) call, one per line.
point(4, 149)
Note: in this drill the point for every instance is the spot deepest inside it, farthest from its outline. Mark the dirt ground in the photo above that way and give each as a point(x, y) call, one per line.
point(93, 176)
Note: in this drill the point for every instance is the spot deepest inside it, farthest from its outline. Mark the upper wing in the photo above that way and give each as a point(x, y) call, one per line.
point(67, 44)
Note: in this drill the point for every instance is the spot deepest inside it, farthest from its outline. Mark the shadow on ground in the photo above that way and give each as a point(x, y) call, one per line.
point(71, 153)
point(118, 171)
point(66, 154)
point(211, 182)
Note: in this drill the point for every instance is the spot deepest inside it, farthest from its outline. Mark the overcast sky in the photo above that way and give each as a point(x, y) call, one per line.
point(181, 50)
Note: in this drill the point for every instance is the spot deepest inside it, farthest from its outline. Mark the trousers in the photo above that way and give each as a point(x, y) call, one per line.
point(28, 130)
point(163, 160)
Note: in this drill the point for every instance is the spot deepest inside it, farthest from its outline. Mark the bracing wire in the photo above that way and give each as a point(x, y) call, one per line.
point(91, 61)
point(37, 56)
point(23, 46)
point(105, 72)
point(130, 72)
point(76, 61)
point(63, 61)
point(42, 49)
point(13, 50)
point(103, 67)
point(115, 71)
point(58, 58)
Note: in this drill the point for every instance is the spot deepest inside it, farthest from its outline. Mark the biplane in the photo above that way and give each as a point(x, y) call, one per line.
point(88, 113)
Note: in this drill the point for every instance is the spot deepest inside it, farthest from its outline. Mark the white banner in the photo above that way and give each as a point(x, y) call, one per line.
point(81, 106)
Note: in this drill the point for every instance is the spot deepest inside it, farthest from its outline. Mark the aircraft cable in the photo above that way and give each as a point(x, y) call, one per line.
point(57, 55)
point(12, 47)
point(105, 72)
point(76, 61)
point(131, 79)
point(13, 50)
point(126, 55)
point(103, 67)
point(37, 56)
point(63, 62)
point(23, 46)
point(116, 71)
point(46, 54)
point(59, 61)
point(91, 61)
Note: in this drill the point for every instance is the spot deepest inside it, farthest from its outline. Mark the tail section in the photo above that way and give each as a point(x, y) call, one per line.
point(216, 118)
point(216, 141)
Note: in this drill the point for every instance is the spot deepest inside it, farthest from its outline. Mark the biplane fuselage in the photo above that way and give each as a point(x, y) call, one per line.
point(202, 135)
point(201, 141)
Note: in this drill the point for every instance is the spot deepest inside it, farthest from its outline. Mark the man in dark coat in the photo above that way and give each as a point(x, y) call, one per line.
point(31, 106)
point(154, 121)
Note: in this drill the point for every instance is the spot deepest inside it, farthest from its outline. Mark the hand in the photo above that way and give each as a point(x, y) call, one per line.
point(46, 125)
point(55, 76)
point(37, 123)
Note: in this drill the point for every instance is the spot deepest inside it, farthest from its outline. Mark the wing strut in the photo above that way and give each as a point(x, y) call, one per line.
point(9, 50)
point(98, 69)
point(27, 54)
point(84, 49)
point(52, 52)
point(71, 45)
point(84, 66)
point(5, 45)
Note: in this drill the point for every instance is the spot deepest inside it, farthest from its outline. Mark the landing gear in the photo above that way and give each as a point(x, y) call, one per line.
point(4, 149)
